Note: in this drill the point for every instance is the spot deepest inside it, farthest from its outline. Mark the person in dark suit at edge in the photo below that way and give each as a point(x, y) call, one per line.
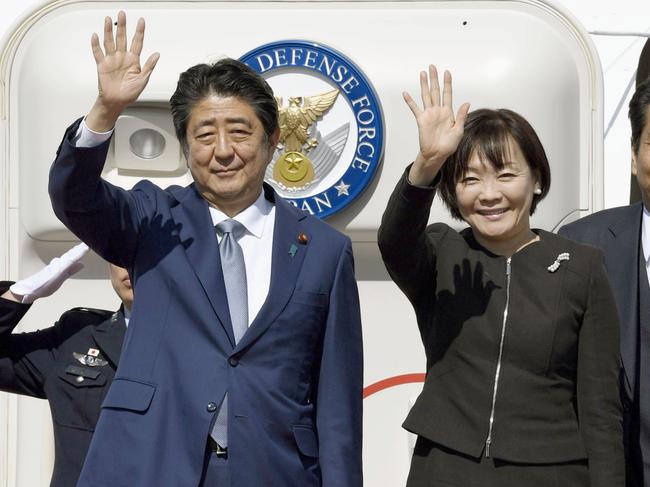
point(242, 366)
point(623, 234)
point(71, 364)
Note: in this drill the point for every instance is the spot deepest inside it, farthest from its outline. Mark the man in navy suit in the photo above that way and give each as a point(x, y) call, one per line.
point(624, 236)
point(196, 400)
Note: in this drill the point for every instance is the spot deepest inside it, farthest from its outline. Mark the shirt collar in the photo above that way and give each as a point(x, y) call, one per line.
point(645, 234)
point(127, 315)
point(252, 218)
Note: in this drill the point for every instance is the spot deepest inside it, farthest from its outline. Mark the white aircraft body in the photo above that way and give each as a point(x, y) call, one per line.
point(569, 66)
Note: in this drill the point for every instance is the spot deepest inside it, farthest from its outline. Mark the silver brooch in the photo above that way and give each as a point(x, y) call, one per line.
point(556, 265)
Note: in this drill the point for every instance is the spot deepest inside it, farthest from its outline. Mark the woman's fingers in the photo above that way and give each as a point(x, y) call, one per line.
point(435, 85)
point(411, 103)
point(447, 97)
point(461, 116)
point(425, 94)
point(430, 88)
point(430, 93)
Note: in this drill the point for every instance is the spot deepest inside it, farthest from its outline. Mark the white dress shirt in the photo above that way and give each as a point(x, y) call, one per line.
point(645, 240)
point(86, 137)
point(256, 242)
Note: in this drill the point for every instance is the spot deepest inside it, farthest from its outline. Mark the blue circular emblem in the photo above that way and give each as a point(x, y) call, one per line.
point(332, 126)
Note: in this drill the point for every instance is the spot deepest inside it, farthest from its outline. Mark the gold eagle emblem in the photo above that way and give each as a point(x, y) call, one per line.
point(294, 169)
point(301, 113)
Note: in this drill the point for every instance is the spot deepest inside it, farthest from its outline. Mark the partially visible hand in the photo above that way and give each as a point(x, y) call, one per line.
point(439, 132)
point(46, 281)
point(120, 77)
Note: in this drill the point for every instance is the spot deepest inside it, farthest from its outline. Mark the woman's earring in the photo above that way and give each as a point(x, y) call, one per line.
point(538, 191)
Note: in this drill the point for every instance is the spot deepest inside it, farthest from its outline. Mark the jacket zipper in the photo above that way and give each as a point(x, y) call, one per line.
point(488, 440)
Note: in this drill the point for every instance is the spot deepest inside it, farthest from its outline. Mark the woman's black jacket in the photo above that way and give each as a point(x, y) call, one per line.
point(538, 355)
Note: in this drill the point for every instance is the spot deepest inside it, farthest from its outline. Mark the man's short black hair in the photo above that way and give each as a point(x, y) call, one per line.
point(637, 112)
point(487, 133)
point(227, 77)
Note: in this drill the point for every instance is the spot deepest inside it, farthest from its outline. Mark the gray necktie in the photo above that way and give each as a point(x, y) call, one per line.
point(234, 276)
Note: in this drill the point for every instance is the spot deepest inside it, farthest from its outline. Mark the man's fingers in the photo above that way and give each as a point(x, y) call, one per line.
point(150, 64)
point(97, 51)
point(446, 91)
point(424, 90)
point(138, 38)
point(121, 31)
point(411, 103)
point(109, 42)
point(435, 85)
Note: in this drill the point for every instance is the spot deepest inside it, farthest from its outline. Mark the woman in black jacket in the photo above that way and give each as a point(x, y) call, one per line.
point(519, 325)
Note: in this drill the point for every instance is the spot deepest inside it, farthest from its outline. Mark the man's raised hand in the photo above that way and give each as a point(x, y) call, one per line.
point(120, 77)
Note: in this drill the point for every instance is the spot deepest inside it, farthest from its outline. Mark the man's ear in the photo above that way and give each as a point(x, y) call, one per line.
point(275, 137)
point(634, 167)
point(185, 149)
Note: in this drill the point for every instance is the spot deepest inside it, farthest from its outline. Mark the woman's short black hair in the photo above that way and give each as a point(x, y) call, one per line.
point(227, 77)
point(487, 133)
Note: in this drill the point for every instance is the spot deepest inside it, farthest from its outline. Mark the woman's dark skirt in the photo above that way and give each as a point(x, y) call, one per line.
point(434, 465)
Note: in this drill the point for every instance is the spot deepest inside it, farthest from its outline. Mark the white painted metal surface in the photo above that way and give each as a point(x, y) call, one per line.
point(522, 54)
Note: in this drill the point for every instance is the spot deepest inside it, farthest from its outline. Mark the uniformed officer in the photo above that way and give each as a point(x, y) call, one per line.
point(71, 364)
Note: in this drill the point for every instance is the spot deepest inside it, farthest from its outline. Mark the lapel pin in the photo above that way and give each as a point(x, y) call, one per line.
point(292, 250)
point(303, 238)
point(556, 265)
point(93, 352)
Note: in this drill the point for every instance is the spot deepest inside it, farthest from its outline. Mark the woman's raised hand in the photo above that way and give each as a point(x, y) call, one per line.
point(439, 132)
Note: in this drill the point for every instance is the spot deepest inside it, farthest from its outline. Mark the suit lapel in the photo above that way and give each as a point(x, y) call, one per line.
point(109, 336)
point(623, 264)
point(202, 250)
point(287, 259)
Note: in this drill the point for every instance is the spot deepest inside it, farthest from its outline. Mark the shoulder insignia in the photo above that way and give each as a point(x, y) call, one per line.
point(95, 311)
point(85, 315)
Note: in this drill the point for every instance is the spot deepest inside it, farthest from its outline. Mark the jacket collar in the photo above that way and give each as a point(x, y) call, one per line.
point(109, 336)
point(628, 221)
point(622, 260)
point(288, 256)
point(200, 241)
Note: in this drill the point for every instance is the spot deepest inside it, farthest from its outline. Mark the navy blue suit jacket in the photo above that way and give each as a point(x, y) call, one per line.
point(617, 232)
point(294, 380)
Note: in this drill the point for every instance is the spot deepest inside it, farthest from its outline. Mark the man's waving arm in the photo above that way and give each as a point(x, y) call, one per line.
point(102, 215)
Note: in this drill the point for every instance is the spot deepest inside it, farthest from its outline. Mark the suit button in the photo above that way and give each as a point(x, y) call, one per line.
point(233, 361)
point(212, 407)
